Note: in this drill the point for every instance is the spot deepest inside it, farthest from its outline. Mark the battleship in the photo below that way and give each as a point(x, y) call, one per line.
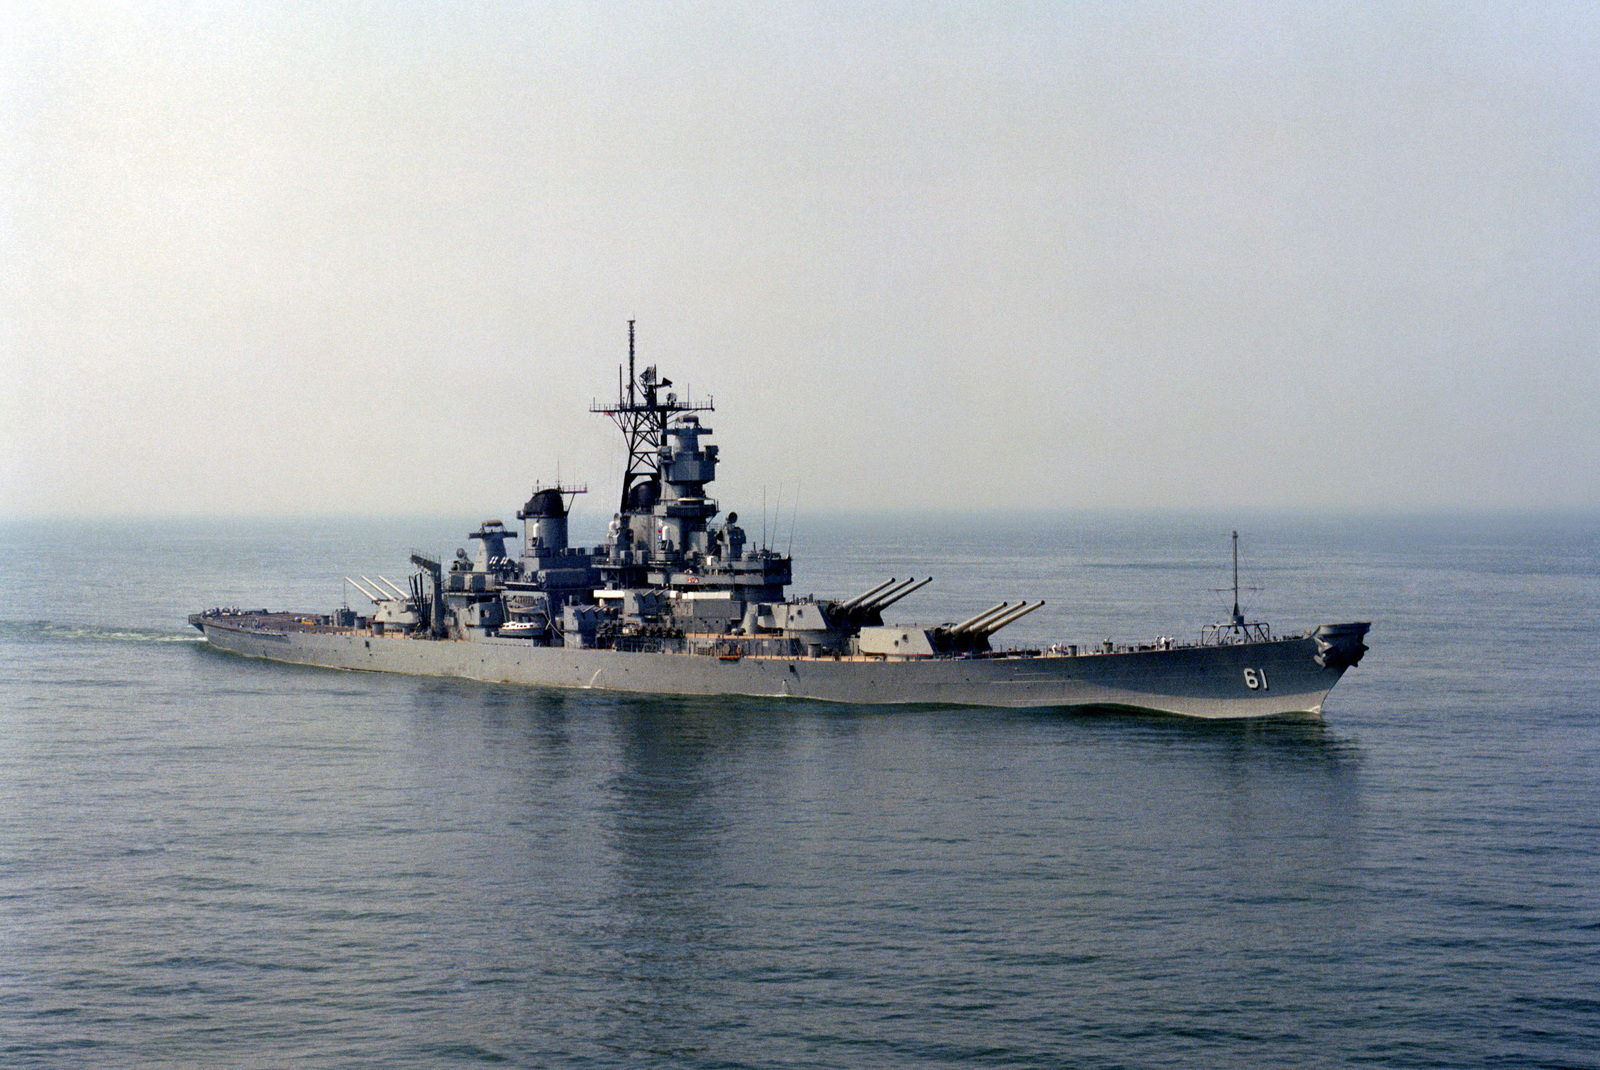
point(678, 602)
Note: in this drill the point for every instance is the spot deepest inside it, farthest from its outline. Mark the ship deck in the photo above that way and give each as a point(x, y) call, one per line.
point(697, 644)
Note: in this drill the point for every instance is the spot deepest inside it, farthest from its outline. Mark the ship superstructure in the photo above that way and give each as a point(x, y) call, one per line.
point(678, 600)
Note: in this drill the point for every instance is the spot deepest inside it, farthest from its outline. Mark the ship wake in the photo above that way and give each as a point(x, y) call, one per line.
point(58, 632)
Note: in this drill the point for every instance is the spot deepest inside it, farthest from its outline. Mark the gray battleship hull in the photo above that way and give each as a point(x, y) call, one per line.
point(1272, 678)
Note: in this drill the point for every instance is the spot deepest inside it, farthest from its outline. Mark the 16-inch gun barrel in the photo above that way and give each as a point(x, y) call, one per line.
point(371, 596)
point(972, 622)
point(845, 607)
point(393, 587)
point(900, 592)
point(1016, 614)
point(383, 595)
point(879, 601)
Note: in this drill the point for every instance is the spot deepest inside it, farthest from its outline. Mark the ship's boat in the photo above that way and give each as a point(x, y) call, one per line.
point(678, 601)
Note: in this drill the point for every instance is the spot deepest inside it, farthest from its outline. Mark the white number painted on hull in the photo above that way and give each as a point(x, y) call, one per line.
point(1255, 679)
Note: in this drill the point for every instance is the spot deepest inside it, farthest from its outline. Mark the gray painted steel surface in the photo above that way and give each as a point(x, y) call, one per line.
point(1192, 681)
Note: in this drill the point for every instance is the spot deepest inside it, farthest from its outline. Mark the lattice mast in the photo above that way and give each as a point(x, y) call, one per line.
point(641, 414)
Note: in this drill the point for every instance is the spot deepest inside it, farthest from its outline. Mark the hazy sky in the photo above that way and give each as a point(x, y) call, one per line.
point(305, 256)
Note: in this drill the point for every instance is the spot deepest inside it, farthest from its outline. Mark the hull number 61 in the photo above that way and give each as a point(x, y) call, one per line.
point(1255, 679)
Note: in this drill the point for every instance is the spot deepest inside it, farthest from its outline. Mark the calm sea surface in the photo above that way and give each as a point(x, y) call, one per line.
point(211, 861)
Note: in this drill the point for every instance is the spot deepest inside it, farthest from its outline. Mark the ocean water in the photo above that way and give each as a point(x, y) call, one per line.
point(211, 861)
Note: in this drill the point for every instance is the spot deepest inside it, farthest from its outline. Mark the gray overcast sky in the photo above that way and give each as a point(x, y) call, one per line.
point(346, 256)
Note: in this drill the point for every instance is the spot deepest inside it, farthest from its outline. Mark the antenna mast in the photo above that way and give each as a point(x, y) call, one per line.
point(1238, 617)
point(1237, 630)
